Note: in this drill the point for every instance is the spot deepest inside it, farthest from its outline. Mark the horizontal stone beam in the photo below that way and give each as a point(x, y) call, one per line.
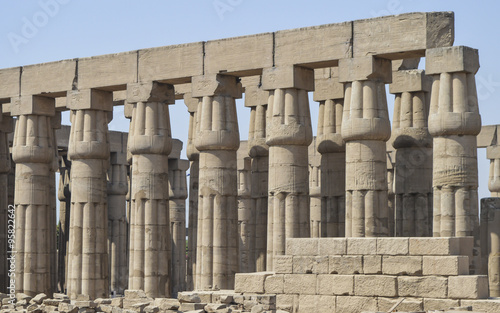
point(391, 37)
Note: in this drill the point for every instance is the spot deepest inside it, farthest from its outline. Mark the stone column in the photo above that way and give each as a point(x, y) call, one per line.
point(193, 155)
point(88, 151)
point(454, 123)
point(490, 242)
point(55, 124)
point(178, 194)
point(413, 144)
point(493, 154)
point(64, 197)
point(217, 139)
point(117, 221)
point(256, 99)
point(33, 153)
point(315, 189)
point(288, 135)
point(365, 129)
point(391, 196)
point(246, 216)
point(6, 127)
point(330, 95)
point(150, 143)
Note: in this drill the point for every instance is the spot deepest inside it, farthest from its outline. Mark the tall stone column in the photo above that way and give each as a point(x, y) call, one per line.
point(88, 150)
point(365, 129)
point(6, 127)
point(330, 95)
point(288, 135)
point(246, 217)
point(193, 156)
point(217, 139)
point(493, 154)
point(64, 197)
point(117, 221)
point(454, 123)
point(315, 189)
point(256, 99)
point(33, 153)
point(150, 143)
point(490, 242)
point(178, 194)
point(55, 124)
point(413, 144)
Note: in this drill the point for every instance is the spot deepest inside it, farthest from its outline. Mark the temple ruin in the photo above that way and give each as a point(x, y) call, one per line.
point(369, 215)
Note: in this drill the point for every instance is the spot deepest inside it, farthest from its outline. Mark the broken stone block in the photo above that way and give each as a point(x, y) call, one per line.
point(67, 308)
point(186, 306)
point(135, 294)
point(167, 304)
point(38, 299)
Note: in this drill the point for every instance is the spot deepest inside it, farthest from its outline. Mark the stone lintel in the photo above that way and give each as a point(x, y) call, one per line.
point(365, 68)
point(90, 99)
point(6, 124)
point(215, 84)
point(451, 59)
point(410, 81)
point(36, 105)
point(493, 152)
point(150, 92)
point(328, 88)
point(190, 102)
point(288, 77)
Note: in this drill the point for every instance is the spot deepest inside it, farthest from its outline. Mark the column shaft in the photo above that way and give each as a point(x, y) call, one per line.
point(64, 197)
point(246, 217)
point(5, 166)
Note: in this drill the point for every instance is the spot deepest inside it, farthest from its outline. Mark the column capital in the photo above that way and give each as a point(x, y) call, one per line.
point(365, 68)
point(90, 99)
point(493, 152)
point(451, 59)
point(33, 105)
point(410, 81)
point(150, 92)
point(215, 85)
point(284, 77)
point(190, 102)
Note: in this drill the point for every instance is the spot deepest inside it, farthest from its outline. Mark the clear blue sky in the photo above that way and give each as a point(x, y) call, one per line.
point(89, 27)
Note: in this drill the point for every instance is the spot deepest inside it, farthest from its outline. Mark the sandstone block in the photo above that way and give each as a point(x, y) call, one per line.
point(392, 246)
point(185, 306)
point(287, 302)
point(426, 287)
point(110, 70)
point(37, 105)
point(402, 265)
point(310, 264)
point(372, 264)
point(364, 68)
point(214, 84)
point(302, 246)
point(54, 77)
point(332, 246)
point(10, 82)
point(451, 59)
point(117, 302)
point(408, 304)
point(439, 304)
point(434, 246)
point(250, 282)
point(410, 81)
point(333, 284)
point(468, 287)
point(288, 76)
point(375, 285)
point(361, 246)
point(150, 92)
point(348, 304)
point(445, 265)
point(274, 284)
point(38, 299)
point(488, 306)
point(304, 284)
point(67, 308)
point(328, 88)
point(349, 264)
point(90, 99)
point(316, 303)
point(167, 304)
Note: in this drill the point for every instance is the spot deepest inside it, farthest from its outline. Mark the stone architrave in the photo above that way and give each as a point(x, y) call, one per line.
point(193, 156)
point(88, 150)
point(217, 140)
point(365, 129)
point(413, 144)
point(454, 123)
point(329, 92)
point(64, 197)
point(256, 99)
point(178, 193)
point(117, 222)
point(288, 135)
point(150, 143)
point(33, 153)
point(6, 127)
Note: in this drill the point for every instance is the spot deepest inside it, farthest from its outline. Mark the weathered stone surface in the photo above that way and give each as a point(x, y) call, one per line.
point(10, 82)
point(375, 285)
point(439, 304)
point(304, 284)
point(332, 246)
point(468, 287)
point(348, 264)
point(402, 265)
point(316, 303)
point(408, 304)
point(427, 287)
point(111, 71)
point(392, 246)
point(372, 264)
point(445, 265)
point(252, 282)
point(274, 284)
point(310, 265)
point(348, 304)
point(361, 246)
point(333, 284)
point(489, 306)
point(54, 77)
point(434, 246)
